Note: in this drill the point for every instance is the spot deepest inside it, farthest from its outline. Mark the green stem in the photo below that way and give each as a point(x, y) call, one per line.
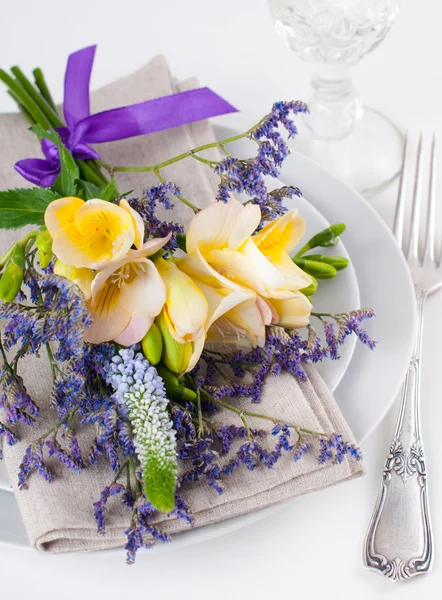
point(52, 362)
point(21, 242)
point(246, 413)
point(170, 161)
point(204, 160)
point(125, 465)
point(247, 426)
point(57, 425)
point(200, 414)
point(90, 174)
point(40, 82)
point(331, 315)
point(3, 353)
point(181, 198)
point(21, 108)
point(50, 113)
point(25, 100)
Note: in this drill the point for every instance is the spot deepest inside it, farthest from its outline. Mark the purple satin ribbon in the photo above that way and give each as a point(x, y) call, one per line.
point(110, 125)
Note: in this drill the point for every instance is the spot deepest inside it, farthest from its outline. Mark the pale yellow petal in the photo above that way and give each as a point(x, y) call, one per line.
point(61, 212)
point(284, 232)
point(153, 245)
point(293, 313)
point(268, 312)
point(213, 226)
point(137, 222)
point(294, 277)
point(106, 229)
point(109, 317)
point(198, 269)
point(186, 307)
point(197, 348)
point(135, 331)
point(245, 224)
point(81, 277)
point(251, 270)
point(143, 292)
point(233, 315)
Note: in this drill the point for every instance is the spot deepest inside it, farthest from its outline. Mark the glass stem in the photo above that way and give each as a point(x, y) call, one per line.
point(334, 104)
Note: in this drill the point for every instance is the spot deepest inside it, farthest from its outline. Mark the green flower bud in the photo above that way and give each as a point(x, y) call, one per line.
point(319, 270)
point(174, 388)
point(152, 345)
point(175, 356)
point(326, 237)
point(43, 241)
point(17, 256)
point(10, 282)
point(186, 394)
point(338, 262)
point(311, 289)
point(171, 383)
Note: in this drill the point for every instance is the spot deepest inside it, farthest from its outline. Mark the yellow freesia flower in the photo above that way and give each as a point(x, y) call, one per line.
point(220, 238)
point(81, 277)
point(88, 234)
point(126, 297)
point(186, 308)
point(235, 316)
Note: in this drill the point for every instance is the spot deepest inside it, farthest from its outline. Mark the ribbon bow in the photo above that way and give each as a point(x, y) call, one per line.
point(110, 125)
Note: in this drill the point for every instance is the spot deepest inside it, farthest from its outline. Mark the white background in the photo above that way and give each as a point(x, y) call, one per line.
point(313, 546)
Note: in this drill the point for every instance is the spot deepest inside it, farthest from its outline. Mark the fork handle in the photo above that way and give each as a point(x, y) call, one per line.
point(399, 542)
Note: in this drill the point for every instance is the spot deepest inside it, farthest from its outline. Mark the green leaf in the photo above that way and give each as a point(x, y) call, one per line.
point(181, 241)
point(20, 207)
point(89, 190)
point(69, 168)
point(110, 191)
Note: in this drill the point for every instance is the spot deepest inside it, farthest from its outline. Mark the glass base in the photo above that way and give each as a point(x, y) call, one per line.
point(368, 159)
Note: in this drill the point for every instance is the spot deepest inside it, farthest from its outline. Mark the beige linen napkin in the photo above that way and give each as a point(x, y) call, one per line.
point(58, 516)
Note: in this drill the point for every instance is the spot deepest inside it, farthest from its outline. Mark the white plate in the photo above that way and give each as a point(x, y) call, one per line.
point(373, 378)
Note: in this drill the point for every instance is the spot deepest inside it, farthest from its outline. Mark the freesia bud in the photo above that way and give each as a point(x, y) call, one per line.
point(326, 237)
point(311, 289)
point(43, 241)
point(320, 270)
point(338, 262)
point(174, 388)
point(152, 345)
point(12, 277)
point(175, 355)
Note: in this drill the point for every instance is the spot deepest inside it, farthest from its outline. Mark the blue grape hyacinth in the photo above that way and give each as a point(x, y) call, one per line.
point(140, 390)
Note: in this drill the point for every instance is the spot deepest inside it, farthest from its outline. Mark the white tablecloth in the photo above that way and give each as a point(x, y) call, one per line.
point(314, 545)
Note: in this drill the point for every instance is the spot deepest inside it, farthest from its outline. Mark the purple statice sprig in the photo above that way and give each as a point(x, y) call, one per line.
point(243, 373)
point(58, 442)
point(141, 533)
point(337, 327)
point(16, 404)
point(249, 175)
point(147, 205)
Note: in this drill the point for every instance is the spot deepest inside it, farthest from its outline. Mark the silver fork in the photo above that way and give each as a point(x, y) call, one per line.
point(399, 542)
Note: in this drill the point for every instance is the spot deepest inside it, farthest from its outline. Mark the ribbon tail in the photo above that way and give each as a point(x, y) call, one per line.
point(76, 86)
point(38, 171)
point(151, 116)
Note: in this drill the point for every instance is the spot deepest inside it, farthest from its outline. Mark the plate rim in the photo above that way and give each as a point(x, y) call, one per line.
point(389, 234)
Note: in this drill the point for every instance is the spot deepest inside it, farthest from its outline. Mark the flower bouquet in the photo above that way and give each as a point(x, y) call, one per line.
point(153, 331)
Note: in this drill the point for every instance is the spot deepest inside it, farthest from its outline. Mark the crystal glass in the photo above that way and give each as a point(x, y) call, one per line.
point(334, 35)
